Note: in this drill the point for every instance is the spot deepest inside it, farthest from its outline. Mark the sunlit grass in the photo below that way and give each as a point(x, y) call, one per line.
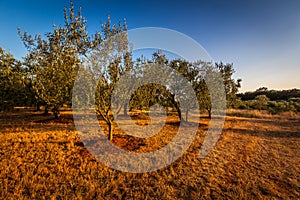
point(263, 114)
point(254, 158)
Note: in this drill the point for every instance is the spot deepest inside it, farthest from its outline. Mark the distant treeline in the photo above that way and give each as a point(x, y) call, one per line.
point(274, 101)
point(273, 95)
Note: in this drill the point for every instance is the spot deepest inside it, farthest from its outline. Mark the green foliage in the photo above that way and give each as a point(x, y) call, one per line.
point(109, 60)
point(54, 59)
point(201, 88)
point(212, 72)
point(196, 74)
point(275, 101)
point(292, 104)
point(190, 73)
point(14, 83)
point(231, 85)
point(174, 92)
point(260, 102)
point(273, 95)
point(239, 104)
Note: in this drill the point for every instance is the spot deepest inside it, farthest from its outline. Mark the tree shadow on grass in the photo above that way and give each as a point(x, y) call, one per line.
point(267, 133)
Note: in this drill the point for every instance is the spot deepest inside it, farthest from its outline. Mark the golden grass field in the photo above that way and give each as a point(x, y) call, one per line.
point(257, 157)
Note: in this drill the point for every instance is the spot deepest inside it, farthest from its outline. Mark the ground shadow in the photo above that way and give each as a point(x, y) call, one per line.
point(286, 124)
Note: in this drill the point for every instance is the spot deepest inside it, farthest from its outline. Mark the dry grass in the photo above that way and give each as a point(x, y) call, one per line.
point(262, 114)
point(254, 159)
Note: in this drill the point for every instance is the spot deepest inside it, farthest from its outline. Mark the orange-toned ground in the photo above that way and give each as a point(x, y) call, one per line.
point(257, 156)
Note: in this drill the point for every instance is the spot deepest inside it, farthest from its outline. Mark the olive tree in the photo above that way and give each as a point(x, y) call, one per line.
point(55, 57)
point(108, 61)
point(14, 90)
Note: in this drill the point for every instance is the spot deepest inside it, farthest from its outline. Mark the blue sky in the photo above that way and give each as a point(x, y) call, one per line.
point(260, 37)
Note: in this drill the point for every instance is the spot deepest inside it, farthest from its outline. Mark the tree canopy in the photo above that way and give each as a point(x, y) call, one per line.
point(48, 72)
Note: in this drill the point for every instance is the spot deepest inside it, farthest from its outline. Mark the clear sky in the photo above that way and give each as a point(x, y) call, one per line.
point(260, 37)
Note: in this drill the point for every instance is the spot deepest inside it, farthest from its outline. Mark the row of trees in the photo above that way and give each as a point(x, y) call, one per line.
point(273, 95)
point(262, 102)
point(47, 73)
point(274, 101)
point(14, 83)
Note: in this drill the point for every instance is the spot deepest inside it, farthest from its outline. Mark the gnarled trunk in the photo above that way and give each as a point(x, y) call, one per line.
point(56, 112)
point(209, 113)
point(187, 115)
point(110, 131)
point(46, 111)
point(177, 107)
point(125, 109)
